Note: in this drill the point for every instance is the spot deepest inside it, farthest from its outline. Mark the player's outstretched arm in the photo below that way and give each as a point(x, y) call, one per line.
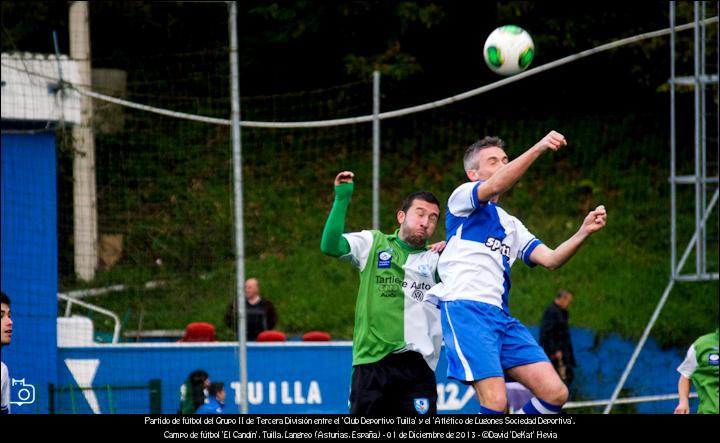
point(509, 174)
point(333, 243)
point(553, 259)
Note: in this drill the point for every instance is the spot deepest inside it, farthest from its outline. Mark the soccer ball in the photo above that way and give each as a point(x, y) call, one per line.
point(508, 50)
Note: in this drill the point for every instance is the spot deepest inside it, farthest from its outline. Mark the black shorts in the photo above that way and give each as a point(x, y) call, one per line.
point(399, 384)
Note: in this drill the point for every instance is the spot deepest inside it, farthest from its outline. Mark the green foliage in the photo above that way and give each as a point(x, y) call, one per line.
point(427, 15)
point(293, 20)
point(393, 63)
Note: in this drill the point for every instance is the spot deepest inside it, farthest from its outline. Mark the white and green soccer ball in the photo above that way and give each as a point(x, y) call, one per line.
point(509, 50)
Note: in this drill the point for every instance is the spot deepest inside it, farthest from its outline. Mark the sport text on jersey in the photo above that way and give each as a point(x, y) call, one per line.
point(494, 244)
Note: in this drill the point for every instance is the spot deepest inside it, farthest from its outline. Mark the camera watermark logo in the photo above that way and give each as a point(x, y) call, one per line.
point(22, 393)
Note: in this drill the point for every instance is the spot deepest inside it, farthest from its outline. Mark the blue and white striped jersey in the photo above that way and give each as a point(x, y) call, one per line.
point(483, 241)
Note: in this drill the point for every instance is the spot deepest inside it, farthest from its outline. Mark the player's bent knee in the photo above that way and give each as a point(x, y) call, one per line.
point(560, 395)
point(556, 395)
point(496, 402)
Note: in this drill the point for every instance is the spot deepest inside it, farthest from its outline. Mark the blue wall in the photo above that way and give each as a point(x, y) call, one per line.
point(600, 365)
point(29, 259)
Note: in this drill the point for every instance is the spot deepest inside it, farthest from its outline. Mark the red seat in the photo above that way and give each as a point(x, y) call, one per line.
point(271, 336)
point(316, 336)
point(199, 331)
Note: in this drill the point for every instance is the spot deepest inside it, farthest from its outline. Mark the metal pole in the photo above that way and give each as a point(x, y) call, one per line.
point(376, 151)
point(702, 241)
point(695, 239)
point(624, 401)
point(698, 131)
point(673, 185)
point(237, 190)
point(59, 65)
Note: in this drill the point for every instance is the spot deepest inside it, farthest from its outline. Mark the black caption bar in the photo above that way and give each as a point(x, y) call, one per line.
point(229, 428)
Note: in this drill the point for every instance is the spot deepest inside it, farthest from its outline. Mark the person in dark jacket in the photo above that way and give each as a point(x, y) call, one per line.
point(555, 336)
point(260, 313)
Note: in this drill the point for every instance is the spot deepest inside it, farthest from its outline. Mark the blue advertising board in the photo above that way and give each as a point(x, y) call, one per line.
point(283, 378)
point(306, 378)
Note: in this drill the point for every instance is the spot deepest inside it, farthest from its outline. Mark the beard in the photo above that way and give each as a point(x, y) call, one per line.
point(415, 238)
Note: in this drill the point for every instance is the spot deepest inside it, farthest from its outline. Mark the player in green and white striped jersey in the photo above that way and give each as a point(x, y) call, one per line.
point(701, 368)
point(397, 336)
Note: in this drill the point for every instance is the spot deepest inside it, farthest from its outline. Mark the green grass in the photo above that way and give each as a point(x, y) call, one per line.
point(172, 200)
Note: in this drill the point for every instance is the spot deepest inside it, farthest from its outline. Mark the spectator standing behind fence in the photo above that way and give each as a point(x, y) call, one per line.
point(260, 313)
point(701, 368)
point(194, 392)
point(216, 400)
point(555, 336)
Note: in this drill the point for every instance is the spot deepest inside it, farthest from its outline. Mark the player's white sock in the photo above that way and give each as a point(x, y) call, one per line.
point(537, 406)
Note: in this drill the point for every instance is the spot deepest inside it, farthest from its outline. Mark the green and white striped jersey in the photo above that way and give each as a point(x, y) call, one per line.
point(391, 313)
point(701, 367)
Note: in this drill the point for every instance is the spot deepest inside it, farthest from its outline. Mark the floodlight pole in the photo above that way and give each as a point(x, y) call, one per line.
point(238, 194)
point(673, 159)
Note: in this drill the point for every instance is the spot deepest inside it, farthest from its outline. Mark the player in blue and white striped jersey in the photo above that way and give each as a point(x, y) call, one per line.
point(483, 342)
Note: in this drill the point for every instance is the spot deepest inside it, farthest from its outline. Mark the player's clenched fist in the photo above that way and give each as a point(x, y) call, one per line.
point(595, 220)
point(554, 140)
point(344, 177)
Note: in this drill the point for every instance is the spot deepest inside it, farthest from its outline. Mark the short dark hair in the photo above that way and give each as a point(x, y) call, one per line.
point(419, 195)
point(561, 293)
point(485, 142)
point(215, 387)
point(4, 298)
